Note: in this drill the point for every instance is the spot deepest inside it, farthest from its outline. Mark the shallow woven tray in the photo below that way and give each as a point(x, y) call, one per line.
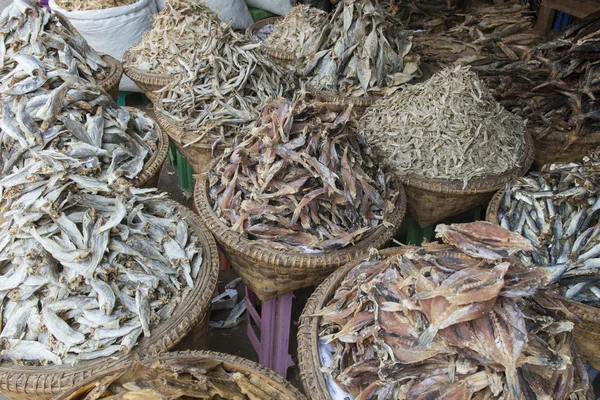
point(551, 148)
point(199, 154)
point(150, 175)
point(44, 382)
point(283, 58)
point(308, 332)
point(237, 364)
point(147, 82)
point(431, 200)
point(115, 71)
point(271, 273)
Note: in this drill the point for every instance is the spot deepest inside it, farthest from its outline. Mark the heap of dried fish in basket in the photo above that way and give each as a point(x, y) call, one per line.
point(29, 30)
point(189, 374)
point(298, 196)
point(488, 37)
point(555, 88)
point(443, 321)
point(358, 52)
point(80, 5)
point(448, 139)
point(290, 33)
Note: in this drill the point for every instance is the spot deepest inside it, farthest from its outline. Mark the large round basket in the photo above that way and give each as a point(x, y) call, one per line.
point(553, 149)
point(192, 315)
point(229, 362)
point(431, 200)
point(282, 57)
point(308, 333)
point(113, 77)
point(271, 273)
point(150, 175)
point(198, 154)
point(147, 82)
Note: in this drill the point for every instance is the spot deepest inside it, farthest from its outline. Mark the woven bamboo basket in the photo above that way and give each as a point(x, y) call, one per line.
point(308, 333)
point(551, 149)
point(199, 154)
point(150, 175)
point(431, 200)
point(44, 382)
point(231, 363)
point(147, 82)
point(282, 57)
point(115, 71)
point(270, 273)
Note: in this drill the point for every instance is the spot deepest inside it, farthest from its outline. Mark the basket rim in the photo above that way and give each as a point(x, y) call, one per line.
point(232, 361)
point(297, 261)
point(145, 78)
point(560, 137)
point(309, 361)
point(115, 72)
point(158, 157)
point(491, 214)
point(270, 51)
point(476, 185)
point(166, 334)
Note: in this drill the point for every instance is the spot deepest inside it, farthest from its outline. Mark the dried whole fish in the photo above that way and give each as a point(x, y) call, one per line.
point(558, 211)
point(299, 24)
point(449, 127)
point(184, 378)
point(358, 52)
point(30, 30)
point(437, 323)
point(78, 5)
point(302, 178)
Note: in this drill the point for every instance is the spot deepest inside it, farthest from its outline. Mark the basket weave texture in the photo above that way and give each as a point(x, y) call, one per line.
point(553, 149)
point(431, 200)
point(146, 81)
point(282, 57)
point(270, 273)
point(115, 72)
point(44, 382)
point(234, 363)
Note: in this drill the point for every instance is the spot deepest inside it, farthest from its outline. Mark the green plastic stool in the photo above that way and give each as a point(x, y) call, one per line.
point(121, 99)
point(415, 235)
point(258, 14)
point(185, 173)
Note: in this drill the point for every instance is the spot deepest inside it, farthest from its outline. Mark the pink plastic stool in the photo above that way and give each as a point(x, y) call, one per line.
point(274, 327)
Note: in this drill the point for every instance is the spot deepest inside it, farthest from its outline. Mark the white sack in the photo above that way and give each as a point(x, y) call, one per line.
point(279, 7)
point(234, 11)
point(113, 30)
point(160, 5)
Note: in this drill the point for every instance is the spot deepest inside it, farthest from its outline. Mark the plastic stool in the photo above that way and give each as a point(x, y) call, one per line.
point(121, 99)
point(273, 324)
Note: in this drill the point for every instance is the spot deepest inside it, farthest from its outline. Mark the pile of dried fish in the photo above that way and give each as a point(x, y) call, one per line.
point(359, 52)
point(489, 36)
point(555, 87)
point(438, 6)
point(291, 33)
point(78, 5)
point(558, 211)
point(442, 322)
point(84, 275)
point(180, 31)
point(449, 127)
point(28, 29)
point(185, 379)
point(302, 178)
point(225, 86)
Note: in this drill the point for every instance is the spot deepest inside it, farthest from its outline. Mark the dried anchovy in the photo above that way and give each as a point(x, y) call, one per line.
point(558, 210)
point(449, 127)
point(78, 5)
point(225, 87)
point(429, 323)
point(291, 33)
point(184, 378)
point(301, 178)
point(358, 52)
point(180, 30)
point(29, 28)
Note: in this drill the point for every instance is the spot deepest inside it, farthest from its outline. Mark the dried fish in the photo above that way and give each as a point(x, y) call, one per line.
point(78, 5)
point(449, 127)
point(303, 178)
point(299, 24)
point(480, 340)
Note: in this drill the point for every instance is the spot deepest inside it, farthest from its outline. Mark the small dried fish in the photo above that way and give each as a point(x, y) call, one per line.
point(78, 5)
point(449, 127)
point(299, 24)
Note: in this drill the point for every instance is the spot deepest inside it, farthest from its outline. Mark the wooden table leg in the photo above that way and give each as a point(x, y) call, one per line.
point(544, 19)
